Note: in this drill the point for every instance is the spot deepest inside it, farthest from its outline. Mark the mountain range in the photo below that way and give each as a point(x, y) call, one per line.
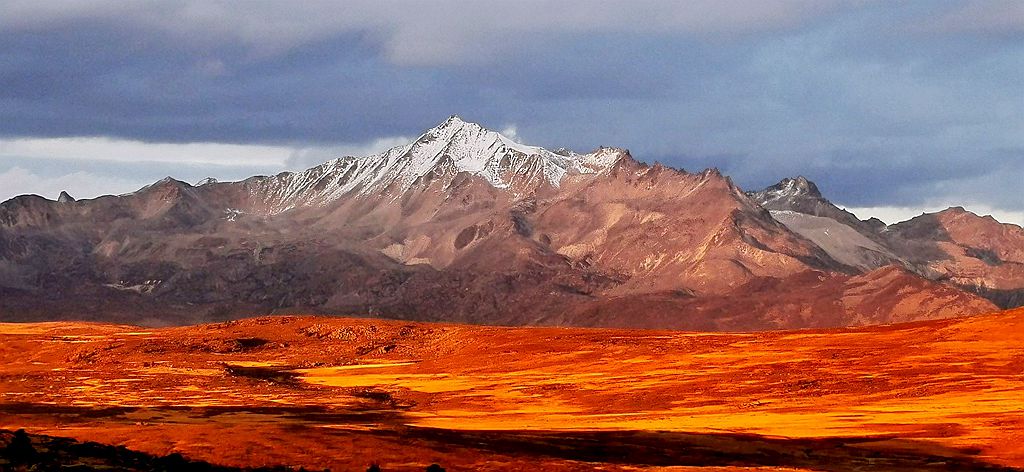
point(467, 225)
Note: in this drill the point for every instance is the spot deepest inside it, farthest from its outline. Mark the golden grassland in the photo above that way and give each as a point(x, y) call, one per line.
point(342, 393)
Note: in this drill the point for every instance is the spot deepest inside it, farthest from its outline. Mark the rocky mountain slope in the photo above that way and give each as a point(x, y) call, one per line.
point(975, 253)
point(464, 224)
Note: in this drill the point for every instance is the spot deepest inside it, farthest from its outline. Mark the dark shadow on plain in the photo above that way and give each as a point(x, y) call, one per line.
point(653, 448)
point(638, 448)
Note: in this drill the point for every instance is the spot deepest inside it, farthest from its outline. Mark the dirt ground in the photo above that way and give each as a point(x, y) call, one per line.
point(345, 393)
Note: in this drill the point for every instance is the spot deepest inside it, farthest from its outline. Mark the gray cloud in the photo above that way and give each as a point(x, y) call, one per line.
point(990, 17)
point(883, 103)
point(443, 31)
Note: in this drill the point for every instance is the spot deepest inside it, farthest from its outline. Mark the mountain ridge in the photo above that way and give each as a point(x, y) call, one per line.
point(976, 253)
point(462, 224)
point(452, 147)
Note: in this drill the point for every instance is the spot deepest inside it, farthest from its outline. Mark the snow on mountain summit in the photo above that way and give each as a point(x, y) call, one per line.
point(460, 146)
point(450, 148)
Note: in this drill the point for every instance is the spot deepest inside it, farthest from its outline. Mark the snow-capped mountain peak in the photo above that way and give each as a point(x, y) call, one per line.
point(450, 148)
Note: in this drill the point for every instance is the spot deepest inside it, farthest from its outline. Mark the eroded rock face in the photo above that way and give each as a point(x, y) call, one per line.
point(975, 253)
point(462, 225)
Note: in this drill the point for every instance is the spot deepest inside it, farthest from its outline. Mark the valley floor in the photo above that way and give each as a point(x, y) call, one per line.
point(345, 393)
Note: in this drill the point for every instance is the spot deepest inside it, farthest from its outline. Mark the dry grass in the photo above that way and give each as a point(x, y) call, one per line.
point(907, 395)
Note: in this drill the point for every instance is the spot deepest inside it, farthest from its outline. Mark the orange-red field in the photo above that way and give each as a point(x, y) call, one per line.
point(343, 393)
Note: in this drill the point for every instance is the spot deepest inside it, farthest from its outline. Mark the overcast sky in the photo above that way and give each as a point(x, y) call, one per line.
point(893, 108)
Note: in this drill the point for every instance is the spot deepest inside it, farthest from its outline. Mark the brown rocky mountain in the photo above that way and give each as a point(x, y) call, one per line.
point(798, 204)
point(974, 252)
point(955, 246)
point(466, 225)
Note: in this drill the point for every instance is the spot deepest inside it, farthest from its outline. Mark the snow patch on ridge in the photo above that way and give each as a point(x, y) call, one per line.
point(450, 148)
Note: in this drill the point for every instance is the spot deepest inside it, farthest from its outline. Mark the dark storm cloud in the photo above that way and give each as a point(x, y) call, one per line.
point(122, 81)
point(882, 103)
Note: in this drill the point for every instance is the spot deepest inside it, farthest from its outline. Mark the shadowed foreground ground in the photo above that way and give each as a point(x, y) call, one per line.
point(344, 393)
point(20, 451)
